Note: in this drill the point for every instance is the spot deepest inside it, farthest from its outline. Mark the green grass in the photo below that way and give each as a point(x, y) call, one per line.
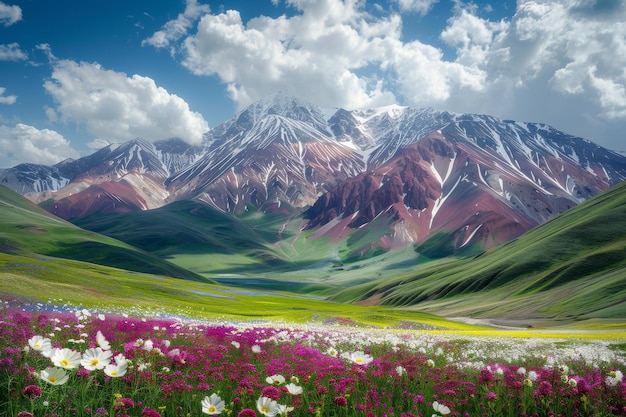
point(109, 289)
point(26, 228)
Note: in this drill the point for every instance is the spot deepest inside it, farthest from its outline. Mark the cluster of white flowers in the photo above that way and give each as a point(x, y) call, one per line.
point(214, 405)
point(63, 359)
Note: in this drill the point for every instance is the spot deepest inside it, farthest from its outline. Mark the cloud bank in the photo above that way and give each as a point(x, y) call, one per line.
point(116, 108)
point(27, 143)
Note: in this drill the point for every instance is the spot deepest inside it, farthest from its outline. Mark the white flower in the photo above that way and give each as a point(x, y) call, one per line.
point(65, 358)
point(54, 376)
point(235, 344)
point(275, 379)
point(521, 370)
point(283, 410)
point(430, 363)
point(267, 406)
point(41, 344)
point(360, 358)
point(332, 352)
point(532, 375)
point(614, 378)
point(96, 358)
point(294, 389)
point(102, 341)
point(440, 408)
point(400, 370)
point(148, 345)
point(117, 369)
point(212, 405)
point(256, 348)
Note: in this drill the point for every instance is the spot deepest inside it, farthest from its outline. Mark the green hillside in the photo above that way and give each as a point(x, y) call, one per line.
point(194, 235)
point(573, 267)
point(27, 229)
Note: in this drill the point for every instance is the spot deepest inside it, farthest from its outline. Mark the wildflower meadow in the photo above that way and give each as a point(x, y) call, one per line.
point(80, 363)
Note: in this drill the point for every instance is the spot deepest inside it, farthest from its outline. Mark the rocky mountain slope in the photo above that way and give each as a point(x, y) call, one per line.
point(462, 180)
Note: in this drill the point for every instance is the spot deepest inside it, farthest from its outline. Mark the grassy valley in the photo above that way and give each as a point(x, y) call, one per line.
point(569, 270)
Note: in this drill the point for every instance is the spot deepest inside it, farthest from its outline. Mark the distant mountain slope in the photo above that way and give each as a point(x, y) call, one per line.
point(447, 182)
point(27, 229)
point(572, 267)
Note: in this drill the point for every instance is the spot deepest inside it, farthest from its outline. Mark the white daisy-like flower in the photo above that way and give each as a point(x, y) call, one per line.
point(275, 379)
point(440, 408)
point(212, 405)
point(102, 341)
point(293, 389)
point(96, 358)
point(41, 344)
point(65, 358)
point(267, 406)
point(54, 376)
point(360, 358)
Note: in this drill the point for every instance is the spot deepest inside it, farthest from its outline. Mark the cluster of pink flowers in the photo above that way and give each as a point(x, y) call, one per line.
point(154, 367)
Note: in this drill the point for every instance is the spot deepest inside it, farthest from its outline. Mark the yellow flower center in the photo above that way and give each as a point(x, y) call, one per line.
point(264, 409)
point(359, 360)
point(37, 345)
point(52, 379)
point(211, 409)
point(65, 362)
point(94, 362)
point(113, 373)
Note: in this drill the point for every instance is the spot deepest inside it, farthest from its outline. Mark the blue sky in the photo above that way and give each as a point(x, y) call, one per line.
point(76, 75)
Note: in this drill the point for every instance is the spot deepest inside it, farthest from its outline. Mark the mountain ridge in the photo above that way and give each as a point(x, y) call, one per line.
point(479, 179)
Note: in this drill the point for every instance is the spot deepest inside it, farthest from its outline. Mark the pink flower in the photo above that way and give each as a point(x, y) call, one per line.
point(149, 412)
point(32, 391)
point(247, 412)
point(271, 392)
point(491, 396)
point(341, 401)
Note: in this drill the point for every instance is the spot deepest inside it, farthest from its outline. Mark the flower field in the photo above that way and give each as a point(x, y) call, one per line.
point(87, 364)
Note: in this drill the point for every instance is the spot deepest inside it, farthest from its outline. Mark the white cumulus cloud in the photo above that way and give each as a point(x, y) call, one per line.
point(560, 61)
point(177, 28)
point(115, 107)
point(9, 14)
point(24, 143)
point(12, 52)
point(416, 6)
point(6, 99)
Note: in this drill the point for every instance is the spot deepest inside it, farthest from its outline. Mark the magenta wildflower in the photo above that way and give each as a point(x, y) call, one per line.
point(544, 389)
point(149, 412)
point(491, 396)
point(247, 412)
point(32, 391)
point(341, 401)
point(271, 392)
point(24, 414)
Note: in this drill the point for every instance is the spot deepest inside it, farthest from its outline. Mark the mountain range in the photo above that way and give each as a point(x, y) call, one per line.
point(442, 182)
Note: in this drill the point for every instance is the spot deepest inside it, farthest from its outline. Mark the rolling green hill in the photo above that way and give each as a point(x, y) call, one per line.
point(27, 229)
point(191, 230)
point(570, 268)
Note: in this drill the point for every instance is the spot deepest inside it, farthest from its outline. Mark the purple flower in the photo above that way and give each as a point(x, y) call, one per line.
point(32, 391)
point(24, 414)
point(149, 412)
point(341, 401)
point(247, 412)
point(271, 392)
point(544, 389)
point(491, 396)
